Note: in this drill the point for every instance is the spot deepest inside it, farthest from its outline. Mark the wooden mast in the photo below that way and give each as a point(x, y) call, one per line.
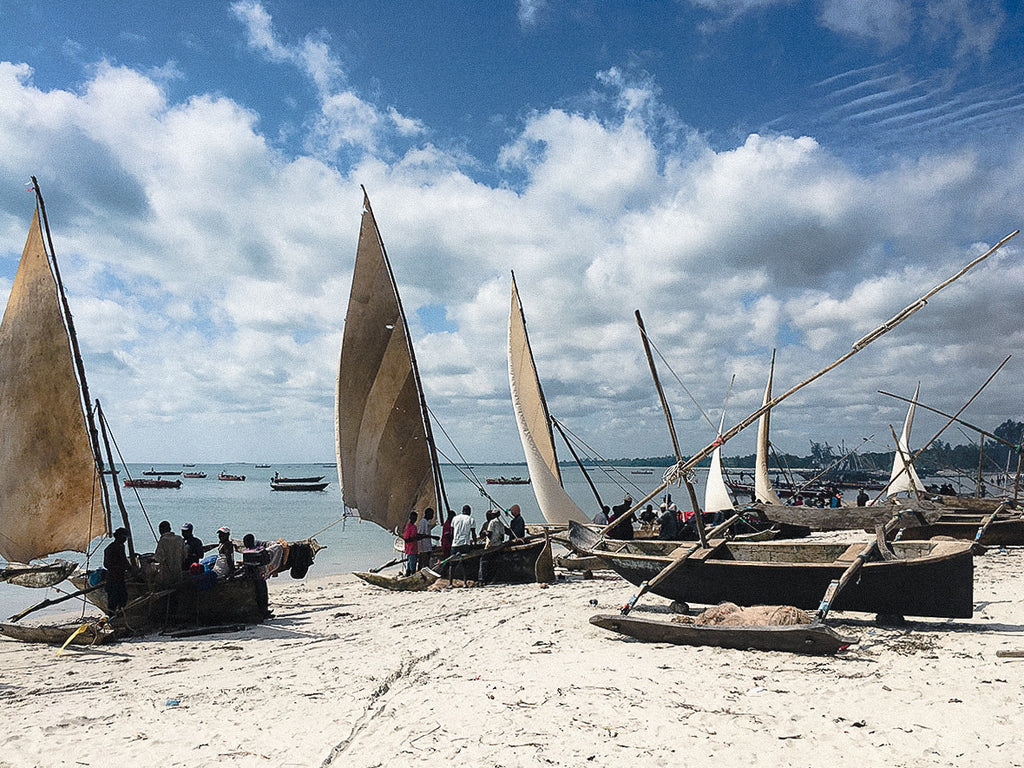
point(83, 384)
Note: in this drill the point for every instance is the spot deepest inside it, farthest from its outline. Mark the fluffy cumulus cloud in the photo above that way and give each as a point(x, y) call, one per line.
point(210, 271)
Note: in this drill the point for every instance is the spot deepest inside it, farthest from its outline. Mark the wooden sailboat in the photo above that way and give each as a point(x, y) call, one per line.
point(534, 423)
point(53, 494)
point(387, 460)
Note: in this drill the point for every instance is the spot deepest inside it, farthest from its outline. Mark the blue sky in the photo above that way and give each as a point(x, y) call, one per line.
point(750, 174)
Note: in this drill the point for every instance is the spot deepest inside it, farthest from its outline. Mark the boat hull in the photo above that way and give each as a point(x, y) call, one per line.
point(418, 582)
point(815, 639)
point(931, 578)
point(1000, 532)
point(296, 486)
point(198, 601)
point(58, 634)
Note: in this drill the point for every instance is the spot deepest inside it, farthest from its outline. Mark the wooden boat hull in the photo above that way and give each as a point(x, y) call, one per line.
point(838, 518)
point(931, 579)
point(1008, 531)
point(58, 634)
point(815, 639)
point(418, 582)
point(297, 486)
point(150, 483)
point(512, 564)
point(198, 601)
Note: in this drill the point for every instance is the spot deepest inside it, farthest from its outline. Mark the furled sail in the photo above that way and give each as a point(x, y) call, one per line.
point(385, 460)
point(763, 489)
point(49, 491)
point(900, 481)
point(535, 424)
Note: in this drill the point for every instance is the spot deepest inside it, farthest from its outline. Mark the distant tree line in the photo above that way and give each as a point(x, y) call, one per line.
point(939, 455)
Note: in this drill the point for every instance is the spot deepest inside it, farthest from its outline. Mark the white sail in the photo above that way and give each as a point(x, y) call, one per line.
point(908, 481)
point(535, 424)
point(763, 489)
point(716, 492)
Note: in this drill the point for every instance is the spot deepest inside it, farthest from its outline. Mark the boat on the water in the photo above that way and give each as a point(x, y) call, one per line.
point(387, 459)
point(194, 475)
point(150, 482)
point(226, 476)
point(932, 578)
point(277, 485)
point(514, 480)
point(159, 472)
point(279, 479)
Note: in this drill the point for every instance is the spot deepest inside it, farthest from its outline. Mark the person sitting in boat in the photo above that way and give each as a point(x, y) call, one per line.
point(426, 541)
point(170, 557)
point(624, 529)
point(193, 546)
point(668, 523)
point(411, 537)
point(648, 518)
point(516, 526)
point(224, 565)
point(115, 563)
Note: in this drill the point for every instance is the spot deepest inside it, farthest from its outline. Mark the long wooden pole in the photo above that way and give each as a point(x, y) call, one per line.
point(117, 488)
point(701, 533)
point(860, 344)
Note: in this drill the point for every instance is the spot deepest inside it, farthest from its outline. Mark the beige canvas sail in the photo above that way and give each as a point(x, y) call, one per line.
point(47, 469)
point(763, 489)
point(535, 425)
point(384, 460)
point(900, 481)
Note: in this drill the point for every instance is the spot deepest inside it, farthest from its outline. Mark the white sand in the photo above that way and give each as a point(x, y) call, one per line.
point(350, 675)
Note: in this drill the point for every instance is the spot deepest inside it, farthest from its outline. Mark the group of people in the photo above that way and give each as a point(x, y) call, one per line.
point(176, 557)
point(458, 534)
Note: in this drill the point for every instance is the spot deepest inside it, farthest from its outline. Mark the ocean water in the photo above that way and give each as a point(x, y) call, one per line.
point(350, 544)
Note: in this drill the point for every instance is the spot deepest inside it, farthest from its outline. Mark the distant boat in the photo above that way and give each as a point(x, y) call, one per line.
point(276, 485)
point(262, 466)
point(150, 482)
point(278, 479)
point(225, 476)
point(188, 465)
point(152, 471)
point(194, 474)
point(514, 480)
point(642, 472)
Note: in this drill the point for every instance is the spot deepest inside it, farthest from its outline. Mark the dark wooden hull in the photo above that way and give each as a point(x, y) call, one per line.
point(316, 479)
point(803, 638)
point(512, 564)
point(141, 482)
point(197, 602)
point(839, 518)
point(418, 582)
point(934, 578)
point(1003, 531)
point(296, 486)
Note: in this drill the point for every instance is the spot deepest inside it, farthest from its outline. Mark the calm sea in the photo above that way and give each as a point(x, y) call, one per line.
point(252, 507)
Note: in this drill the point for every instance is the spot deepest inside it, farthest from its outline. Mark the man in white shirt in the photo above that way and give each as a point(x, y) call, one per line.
point(463, 533)
point(426, 543)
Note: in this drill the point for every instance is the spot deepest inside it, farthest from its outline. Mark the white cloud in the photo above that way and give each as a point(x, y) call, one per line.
point(888, 21)
point(209, 273)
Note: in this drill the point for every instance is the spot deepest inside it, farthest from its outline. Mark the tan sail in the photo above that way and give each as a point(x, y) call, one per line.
point(908, 481)
point(534, 423)
point(384, 459)
point(47, 469)
point(763, 489)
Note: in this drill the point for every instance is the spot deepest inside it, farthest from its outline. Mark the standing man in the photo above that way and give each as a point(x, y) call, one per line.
point(170, 557)
point(516, 526)
point(115, 563)
point(463, 533)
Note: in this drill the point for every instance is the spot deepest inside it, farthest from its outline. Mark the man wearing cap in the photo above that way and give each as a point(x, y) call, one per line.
point(193, 546)
point(516, 526)
point(224, 566)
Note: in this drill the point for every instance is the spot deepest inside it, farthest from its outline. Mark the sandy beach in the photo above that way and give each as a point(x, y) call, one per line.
point(349, 675)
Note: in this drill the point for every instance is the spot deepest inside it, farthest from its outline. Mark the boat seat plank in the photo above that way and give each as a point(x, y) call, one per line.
point(851, 553)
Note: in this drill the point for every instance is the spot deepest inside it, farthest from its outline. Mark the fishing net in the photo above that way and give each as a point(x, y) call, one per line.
point(732, 615)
